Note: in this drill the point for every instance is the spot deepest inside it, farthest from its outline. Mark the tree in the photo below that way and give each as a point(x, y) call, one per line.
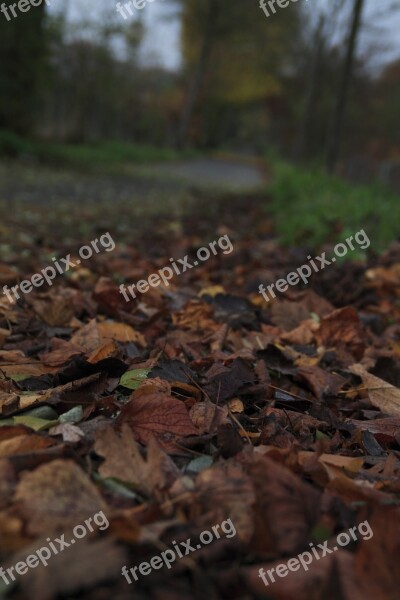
point(23, 57)
point(341, 104)
point(324, 29)
point(233, 55)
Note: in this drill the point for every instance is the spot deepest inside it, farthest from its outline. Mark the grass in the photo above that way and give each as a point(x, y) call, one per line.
point(102, 154)
point(310, 207)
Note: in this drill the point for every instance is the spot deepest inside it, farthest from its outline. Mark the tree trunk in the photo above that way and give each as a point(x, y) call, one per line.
point(340, 112)
point(22, 51)
point(198, 75)
point(302, 144)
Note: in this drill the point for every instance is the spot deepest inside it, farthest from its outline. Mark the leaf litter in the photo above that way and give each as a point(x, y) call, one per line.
point(197, 403)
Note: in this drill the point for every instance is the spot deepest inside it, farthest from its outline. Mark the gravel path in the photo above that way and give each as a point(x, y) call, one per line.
point(231, 174)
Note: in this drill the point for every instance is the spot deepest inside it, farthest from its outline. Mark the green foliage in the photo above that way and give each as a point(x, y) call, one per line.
point(104, 153)
point(311, 207)
point(12, 145)
point(133, 379)
point(110, 153)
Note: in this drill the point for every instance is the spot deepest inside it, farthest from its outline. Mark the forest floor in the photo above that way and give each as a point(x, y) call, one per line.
point(131, 428)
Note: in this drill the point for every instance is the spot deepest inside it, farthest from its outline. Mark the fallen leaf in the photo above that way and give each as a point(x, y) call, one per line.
point(383, 395)
point(124, 461)
point(158, 415)
point(225, 491)
point(320, 381)
point(207, 417)
point(133, 379)
point(376, 562)
point(8, 481)
point(286, 507)
point(342, 327)
point(57, 495)
point(87, 565)
point(120, 333)
point(307, 585)
point(23, 444)
point(69, 432)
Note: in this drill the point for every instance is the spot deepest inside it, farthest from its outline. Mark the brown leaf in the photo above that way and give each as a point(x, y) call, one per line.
point(107, 295)
point(383, 395)
point(105, 351)
point(56, 308)
point(7, 482)
point(288, 315)
point(7, 275)
point(57, 494)
point(377, 558)
point(23, 444)
point(297, 422)
point(11, 403)
point(158, 415)
point(318, 467)
point(61, 351)
point(307, 585)
point(384, 430)
point(88, 564)
point(321, 382)
point(207, 417)
point(286, 507)
point(342, 327)
point(124, 460)
point(87, 337)
point(120, 332)
point(225, 491)
point(302, 335)
point(352, 490)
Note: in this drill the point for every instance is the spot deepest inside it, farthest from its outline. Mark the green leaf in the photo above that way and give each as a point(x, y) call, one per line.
point(19, 376)
point(132, 379)
point(42, 412)
point(72, 416)
point(34, 422)
point(117, 487)
point(320, 435)
point(320, 533)
point(200, 463)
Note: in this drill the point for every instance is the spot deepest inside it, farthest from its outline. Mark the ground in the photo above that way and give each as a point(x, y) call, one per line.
point(195, 406)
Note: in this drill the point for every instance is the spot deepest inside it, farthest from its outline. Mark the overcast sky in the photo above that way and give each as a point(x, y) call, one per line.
point(380, 40)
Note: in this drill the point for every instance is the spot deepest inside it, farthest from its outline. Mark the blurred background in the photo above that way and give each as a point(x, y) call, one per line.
point(309, 97)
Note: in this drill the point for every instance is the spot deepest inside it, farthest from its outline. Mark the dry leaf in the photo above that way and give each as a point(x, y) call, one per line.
point(158, 415)
point(57, 495)
point(70, 572)
point(383, 395)
point(120, 333)
point(124, 460)
point(23, 444)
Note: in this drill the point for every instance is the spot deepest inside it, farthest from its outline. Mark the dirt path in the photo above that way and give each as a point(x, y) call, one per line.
point(233, 174)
